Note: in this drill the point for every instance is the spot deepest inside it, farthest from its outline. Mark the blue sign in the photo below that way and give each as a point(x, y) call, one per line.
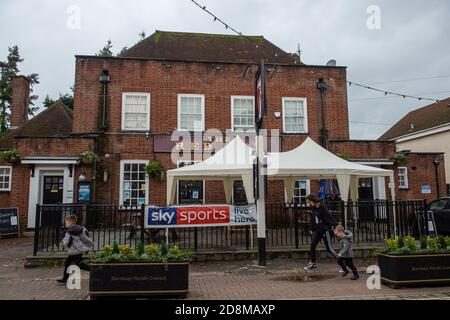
point(425, 189)
point(84, 191)
point(162, 216)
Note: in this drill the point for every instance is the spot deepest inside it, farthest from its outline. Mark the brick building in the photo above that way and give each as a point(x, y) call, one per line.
point(183, 82)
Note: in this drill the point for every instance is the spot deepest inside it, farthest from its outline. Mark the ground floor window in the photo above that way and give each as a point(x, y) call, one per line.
point(5, 178)
point(134, 183)
point(239, 195)
point(301, 191)
point(402, 177)
point(190, 191)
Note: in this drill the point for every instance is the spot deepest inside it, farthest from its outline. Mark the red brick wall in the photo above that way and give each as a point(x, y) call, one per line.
point(421, 172)
point(20, 100)
point(217, 85)
point(363, 149)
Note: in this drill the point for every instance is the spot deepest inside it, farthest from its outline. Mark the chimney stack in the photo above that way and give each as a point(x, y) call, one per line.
point(20, 101)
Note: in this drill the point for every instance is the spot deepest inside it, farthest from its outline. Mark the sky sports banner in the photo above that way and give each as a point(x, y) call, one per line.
point(199, 216)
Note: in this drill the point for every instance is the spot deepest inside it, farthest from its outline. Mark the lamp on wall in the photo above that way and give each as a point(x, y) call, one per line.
point(277, 114)
point(436, 164)
point(82, 177)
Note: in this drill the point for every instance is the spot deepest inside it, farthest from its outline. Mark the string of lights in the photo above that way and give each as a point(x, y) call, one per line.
point(392, 93)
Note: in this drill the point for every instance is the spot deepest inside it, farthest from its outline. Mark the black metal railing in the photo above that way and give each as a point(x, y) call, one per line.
point(287, 225)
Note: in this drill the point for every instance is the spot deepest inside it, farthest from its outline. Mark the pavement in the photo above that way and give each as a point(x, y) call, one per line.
point(230, 280)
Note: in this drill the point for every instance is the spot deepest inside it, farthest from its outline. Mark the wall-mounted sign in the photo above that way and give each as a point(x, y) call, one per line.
point(198, 216)
point(84, 192)
point(425, 189)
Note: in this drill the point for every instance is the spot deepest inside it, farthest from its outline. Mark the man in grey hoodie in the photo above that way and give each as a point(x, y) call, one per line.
point(345, 256)
point(77, 241)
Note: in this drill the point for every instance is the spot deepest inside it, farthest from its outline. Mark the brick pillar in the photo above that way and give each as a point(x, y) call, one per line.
point(20, 101)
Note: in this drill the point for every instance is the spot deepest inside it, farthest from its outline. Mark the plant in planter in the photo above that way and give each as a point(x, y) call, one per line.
point(11, 156)
point(154, 170)
point(403, 262)
point(400, 159)
point(151, 270)
point(88, 157)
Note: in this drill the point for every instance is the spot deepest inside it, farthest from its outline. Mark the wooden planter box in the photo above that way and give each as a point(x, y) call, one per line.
point(139, 279)
point(414, 269)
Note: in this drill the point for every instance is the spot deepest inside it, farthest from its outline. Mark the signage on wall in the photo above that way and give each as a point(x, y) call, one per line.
point(198, 216)
point(425, 189)
point(84, 192)
point(9, 221)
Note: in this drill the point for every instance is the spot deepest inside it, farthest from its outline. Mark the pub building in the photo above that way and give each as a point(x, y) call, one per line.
point(126, 109)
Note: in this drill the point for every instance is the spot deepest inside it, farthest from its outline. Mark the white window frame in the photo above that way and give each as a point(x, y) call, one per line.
point(139, 94)
point(122, 169)
point(308, 188)
point(250, 128)
point(185, 95)
point(10, 178)
point(305, 111)
point(405, 175)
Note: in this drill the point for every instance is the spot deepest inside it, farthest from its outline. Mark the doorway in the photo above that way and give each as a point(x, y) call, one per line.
point(53, 189)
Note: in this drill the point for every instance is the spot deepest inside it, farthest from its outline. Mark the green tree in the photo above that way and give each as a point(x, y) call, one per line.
point(66, 99)
point(9, 69)
point(122, 51)
point(106, 51)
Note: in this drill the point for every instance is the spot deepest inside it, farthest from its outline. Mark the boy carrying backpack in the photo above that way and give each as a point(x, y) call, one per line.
point(77, 241)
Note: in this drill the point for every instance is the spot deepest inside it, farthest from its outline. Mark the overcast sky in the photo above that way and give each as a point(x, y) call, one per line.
point(412, 41)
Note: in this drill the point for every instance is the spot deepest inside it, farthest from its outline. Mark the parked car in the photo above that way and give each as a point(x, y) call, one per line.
point(441, 212)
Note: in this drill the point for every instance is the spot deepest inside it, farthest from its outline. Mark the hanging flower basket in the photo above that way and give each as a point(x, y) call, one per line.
point(400, 159)
point(11, 156)
point(154, 170)
point(88, 157)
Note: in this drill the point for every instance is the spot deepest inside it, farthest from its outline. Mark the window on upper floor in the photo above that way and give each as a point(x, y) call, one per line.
point(5, 178)
point(402, 177)
point(295, 115)
point(242, 113)
point(136, 111)
point(191, 112)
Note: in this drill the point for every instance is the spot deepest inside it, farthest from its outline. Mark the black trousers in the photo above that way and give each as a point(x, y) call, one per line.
point(347, 262)
point(76, 259)
point(315, 239)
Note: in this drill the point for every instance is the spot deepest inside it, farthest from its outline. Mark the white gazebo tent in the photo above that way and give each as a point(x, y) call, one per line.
point(311, 161)
point(308, 161)
point(233, 162)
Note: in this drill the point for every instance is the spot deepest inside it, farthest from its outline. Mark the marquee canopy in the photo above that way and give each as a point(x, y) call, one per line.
point(308, 161)
point(233, 162)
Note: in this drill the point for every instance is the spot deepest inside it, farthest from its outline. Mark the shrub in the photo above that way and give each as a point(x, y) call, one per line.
point(433, 243)
point(391, 244)
point(410, 243)
point(152, 252)
point(401, 241)
point(442, 242)
point(423, 243)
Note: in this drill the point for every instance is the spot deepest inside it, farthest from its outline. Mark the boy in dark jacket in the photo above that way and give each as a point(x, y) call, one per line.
point(322, 223)
point(77, 241)
point(345, 256)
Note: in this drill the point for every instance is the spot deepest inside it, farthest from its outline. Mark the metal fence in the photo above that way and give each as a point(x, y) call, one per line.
point(287, 225)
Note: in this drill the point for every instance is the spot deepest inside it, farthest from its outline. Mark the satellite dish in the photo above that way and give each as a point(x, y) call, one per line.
point(331, 63)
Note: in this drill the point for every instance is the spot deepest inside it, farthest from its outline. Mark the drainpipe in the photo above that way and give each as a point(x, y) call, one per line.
point(105, 79)
point(321, 86)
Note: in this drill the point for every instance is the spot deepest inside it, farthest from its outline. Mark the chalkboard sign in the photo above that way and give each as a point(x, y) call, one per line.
point(9, 221)
point(427, 225)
